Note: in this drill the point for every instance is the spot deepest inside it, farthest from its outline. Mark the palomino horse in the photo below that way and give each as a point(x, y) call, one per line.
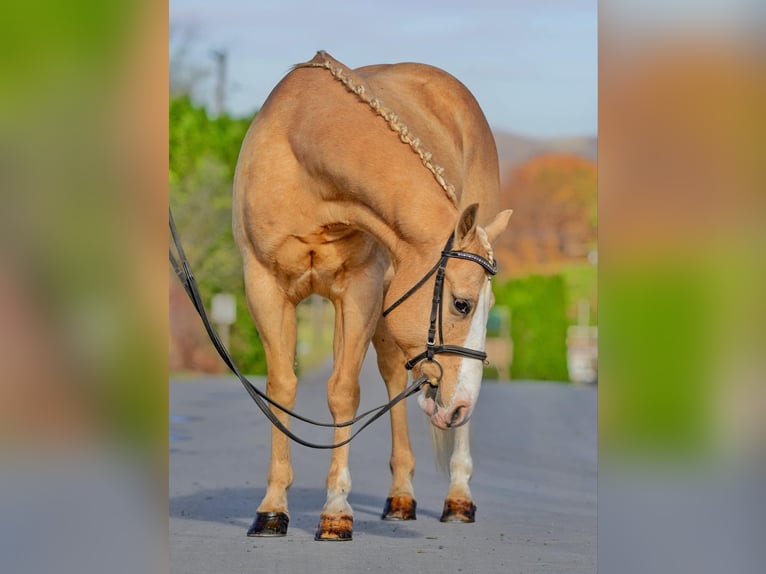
point(329, 198)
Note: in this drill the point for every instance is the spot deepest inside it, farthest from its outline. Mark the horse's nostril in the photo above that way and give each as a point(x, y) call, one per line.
point(456, 415)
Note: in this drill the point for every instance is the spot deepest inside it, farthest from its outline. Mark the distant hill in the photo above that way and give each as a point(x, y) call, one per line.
point(514, 149)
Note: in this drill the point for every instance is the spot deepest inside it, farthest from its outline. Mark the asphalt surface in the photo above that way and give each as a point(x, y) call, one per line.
point(534, 484)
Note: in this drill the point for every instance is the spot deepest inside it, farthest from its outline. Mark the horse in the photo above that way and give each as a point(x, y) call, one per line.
point(336, 193)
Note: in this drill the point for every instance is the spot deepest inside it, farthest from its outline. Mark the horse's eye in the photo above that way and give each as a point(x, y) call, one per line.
point(462, 306)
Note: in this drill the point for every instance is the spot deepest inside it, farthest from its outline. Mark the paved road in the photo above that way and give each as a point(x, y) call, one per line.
point(534, 483)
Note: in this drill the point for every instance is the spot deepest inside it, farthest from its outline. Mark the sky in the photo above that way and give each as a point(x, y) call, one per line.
point(531, 64)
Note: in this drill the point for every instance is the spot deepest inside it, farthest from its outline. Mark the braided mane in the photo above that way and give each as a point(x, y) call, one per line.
point(355, 86)
point(484, 240)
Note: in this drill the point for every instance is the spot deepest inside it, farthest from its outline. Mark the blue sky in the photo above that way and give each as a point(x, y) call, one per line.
point(532, 64)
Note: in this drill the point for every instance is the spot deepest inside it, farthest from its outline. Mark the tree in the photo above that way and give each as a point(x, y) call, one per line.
point(203, 156)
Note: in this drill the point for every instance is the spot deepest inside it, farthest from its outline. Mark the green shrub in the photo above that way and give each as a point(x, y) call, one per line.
point(538, 326)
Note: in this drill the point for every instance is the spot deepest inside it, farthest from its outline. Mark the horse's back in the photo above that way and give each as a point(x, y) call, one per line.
point(311, 116)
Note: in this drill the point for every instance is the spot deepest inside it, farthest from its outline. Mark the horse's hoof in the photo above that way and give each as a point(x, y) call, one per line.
point(269, 524)
point(458, 510)
point(335, 528)
point(400, 508)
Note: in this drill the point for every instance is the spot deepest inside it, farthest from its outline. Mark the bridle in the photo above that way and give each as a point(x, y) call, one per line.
point(432, 349)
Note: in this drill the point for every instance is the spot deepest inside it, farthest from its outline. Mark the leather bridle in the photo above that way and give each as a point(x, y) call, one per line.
point(432, 349)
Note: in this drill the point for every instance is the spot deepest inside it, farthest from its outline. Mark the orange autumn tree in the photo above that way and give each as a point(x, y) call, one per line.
point(554, 222)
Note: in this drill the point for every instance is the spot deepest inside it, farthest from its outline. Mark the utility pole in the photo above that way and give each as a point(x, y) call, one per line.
point(220, 84)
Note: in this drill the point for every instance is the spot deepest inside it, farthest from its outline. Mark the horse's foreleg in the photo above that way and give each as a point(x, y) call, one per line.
point(458, 506)
point(355, 317)
point(274, 316)
point(400, 504)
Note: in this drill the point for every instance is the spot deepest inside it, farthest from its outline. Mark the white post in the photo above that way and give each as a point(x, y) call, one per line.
point(223, 312)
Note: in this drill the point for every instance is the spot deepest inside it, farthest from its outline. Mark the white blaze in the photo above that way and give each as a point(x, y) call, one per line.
point(469, 376)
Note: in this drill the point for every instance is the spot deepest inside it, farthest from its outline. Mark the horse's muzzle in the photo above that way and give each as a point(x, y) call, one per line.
point(445, 417)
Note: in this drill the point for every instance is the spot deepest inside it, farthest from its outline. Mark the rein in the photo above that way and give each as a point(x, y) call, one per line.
point(432, 349)
point(182, 268)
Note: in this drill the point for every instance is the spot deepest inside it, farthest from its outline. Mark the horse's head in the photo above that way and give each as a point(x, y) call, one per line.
point(466, 297)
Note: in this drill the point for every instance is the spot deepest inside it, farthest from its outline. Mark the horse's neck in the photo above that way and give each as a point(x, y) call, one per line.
point(412, 228)
point(414, 239)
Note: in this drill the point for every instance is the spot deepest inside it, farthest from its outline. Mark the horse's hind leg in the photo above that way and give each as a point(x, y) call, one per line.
point(274, 316)
point(400, 504)
point(356, 313)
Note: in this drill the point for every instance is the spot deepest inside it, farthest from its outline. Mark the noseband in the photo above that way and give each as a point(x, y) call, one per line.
point(432, 349)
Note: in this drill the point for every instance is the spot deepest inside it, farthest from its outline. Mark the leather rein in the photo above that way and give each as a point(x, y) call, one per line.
point(183, 270)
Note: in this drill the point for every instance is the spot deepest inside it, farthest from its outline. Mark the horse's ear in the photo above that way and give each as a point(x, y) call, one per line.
point(498, 225)
point(466, 226)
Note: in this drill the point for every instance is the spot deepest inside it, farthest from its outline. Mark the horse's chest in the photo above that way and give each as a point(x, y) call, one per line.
point(322, 262)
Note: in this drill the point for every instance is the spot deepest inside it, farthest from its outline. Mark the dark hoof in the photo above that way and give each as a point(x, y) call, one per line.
point(335, 528)
point(269, 524)
point(400, 508)
point(458, 510)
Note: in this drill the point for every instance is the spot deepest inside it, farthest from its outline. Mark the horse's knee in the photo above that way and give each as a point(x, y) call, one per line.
point(282, 390)
point(343, 396)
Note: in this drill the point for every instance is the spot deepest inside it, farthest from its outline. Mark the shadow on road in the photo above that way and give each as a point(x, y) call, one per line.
point(237, 506)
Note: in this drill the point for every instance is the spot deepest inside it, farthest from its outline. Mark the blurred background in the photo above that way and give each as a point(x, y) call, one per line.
point(682, 393)
point(84, 277)
point(532, 67)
